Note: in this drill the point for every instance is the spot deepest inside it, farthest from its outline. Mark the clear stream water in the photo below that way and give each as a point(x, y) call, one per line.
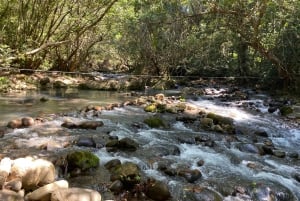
point(225, 165)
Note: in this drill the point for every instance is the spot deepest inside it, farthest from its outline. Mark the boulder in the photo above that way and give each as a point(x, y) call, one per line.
point(75, 194)
point(206, 123)
point(150, 108)
point(27, 122)
point(44, 193)
point(218, 119)
point(7, 195)
point(82, 160)
point(86, 142)
point(15, 123)
point(33, 172)
point(155, 122)
point(128, 173)
point(128, 144)
point(157, 190)
point(112, 164)
point(90, 124)
point(14, 185)
point(286, 110)
point(5, 168)
point(190, 175)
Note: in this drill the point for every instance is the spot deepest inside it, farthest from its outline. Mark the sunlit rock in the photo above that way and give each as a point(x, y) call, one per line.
point(15, 123)
point(44, 192)
point(14, 185)
point(5, 168)
point(8, 195)
point(33, 172)
point(27, 121)
point(75, 194)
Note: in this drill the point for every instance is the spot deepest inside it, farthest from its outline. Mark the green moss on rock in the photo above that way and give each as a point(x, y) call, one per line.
point(286, 110)
point(150, 108)
point(83, 160)
point(218, 119)
point(155, 122)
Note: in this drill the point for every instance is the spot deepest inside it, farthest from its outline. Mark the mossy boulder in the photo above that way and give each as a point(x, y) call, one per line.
point(206, 123)
point(128, 173)
point(83, 160)
point(286, 110)
point(218, 119)
point(150, 108)
point(155, 122)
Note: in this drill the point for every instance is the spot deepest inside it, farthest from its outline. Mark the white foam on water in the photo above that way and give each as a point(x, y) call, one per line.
point(233, 112)
point(179, 125)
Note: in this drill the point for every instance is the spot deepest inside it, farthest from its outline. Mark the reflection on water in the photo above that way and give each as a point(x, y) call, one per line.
point(29, 103)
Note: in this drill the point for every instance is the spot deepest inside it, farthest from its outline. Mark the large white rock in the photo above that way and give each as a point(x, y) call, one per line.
point(5, 167)
point(33, 172)
point(75, 194)
point(44, 193)
point(7, 195)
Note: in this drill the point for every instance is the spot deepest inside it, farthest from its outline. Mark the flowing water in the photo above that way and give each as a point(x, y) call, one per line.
point(225, 165)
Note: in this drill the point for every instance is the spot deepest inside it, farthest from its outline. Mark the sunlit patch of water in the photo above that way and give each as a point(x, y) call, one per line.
point(232, 112)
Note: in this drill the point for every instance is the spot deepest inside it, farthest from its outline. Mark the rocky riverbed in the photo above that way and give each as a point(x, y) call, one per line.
point(160, 147)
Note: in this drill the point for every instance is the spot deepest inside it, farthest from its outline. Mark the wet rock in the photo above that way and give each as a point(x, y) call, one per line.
point(286, 110)
point(125, 144)
point(263, 193)
point(200, 163)
point(267, 150)
point(33, 172)
point(82, 160)
point(44, 192)
point(272, 109)
point(44, 99)
point(15, 123)
point(204, 140)
point(248, 148)
point(27, 122)
point(128, 144)
point(218, 119)
point(297, 177)
point(206, 123)
point(157, 191)
point(86, 142)
point(186, 140)
point(199, 193)
point(83, 125)
point(90, 124)
point(261, 133)
point(116, 186)
point(44, 81)
point(128, 173)
point(293, 155)
point(75, 194)
point(155, 122)
point(112, 164)
point(7, 195)
point(279, 153)
point(185, 118)
point(59, 84)
point(69, 125)
point(190, 175)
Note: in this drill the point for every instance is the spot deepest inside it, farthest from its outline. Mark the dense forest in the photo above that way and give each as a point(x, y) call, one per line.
point(228, 38)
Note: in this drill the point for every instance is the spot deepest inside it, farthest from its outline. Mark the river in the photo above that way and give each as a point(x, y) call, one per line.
point(227, 165)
